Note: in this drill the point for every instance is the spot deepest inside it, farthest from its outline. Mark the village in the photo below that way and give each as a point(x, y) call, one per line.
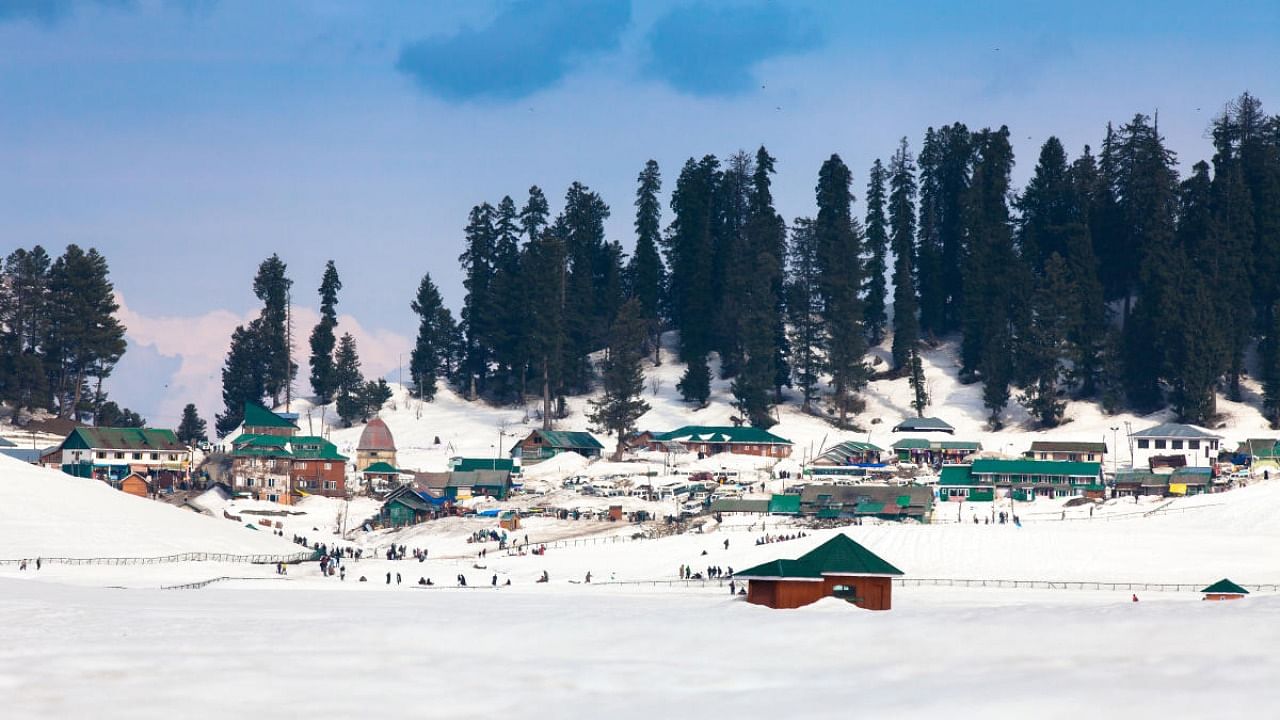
point(691, 479)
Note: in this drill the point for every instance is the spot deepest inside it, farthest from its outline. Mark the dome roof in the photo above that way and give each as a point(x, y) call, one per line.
point(376, 436)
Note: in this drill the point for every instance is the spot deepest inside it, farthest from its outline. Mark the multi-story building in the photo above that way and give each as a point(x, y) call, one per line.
point(280, 466)
point(112, 454)
point(1173, 445)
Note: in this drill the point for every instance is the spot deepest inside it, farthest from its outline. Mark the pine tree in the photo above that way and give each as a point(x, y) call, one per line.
point(956, 157)
point(506, 331)
point(349, 385)
point(243, 377)
point(731, 260)
point(543, 263)
point(915, 378)
point(192, 430)
point(1271, 368)
point(1047, 208)
point(645, 281)
point(322, 339)
point(695, 384)
point(874, 315)
point(436, 330)
point(618, 409)
point(271, 286)
point(477, 307)
point(804, 312)
point(1087, 330)
point(1041, 352)
point(689, 250)
point(840, 279)
point(592, 287)
point(373, 395)
point(996, 283)
point(1147, 200)
point(902, 218)
point(24, 318)
point(928, 265)
point(83, 338)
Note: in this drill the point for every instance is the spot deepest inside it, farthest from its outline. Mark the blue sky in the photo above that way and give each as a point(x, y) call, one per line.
point(190, 139)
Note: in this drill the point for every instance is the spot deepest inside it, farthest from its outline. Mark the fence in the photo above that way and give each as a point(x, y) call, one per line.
point(982, 583)
point(1070, 585)
point(210, 581)
point(180, 557)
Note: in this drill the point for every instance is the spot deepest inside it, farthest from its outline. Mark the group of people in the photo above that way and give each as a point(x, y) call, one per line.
point(23, 565)
point(767, 539)
point(713, 571)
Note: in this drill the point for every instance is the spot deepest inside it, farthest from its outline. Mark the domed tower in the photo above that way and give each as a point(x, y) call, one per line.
point(376, 445)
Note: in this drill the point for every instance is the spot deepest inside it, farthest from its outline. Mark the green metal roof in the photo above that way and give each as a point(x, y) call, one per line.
point(923, 424)
point(566, 439)
point(828, 513)
point(903, 500)
point(301, 447)
point(739, 505)
point(721, 434)
point(784, 504)
point(383, 468)
point(256, 415)
point(309, 447)
point(109, 438)
point(840, 555)
point(911, 444)
point(1036, 467)
point(1225, 586)
point(462, 464)
point(869, 508)
point(923, 444)
point(955, 475)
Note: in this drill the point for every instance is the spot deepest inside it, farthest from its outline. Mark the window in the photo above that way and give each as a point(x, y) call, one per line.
point(1193, 444)
point(1143, 443)
point(299, 466)
point(119, 456)
point(248, 482)
point(1160, 444)
point(101, 455)
point(137, 456)
point(328, 466)
point(271, 482)
point(155, 456)
point(330, 485)
point(273, 498)
point(1175, 444)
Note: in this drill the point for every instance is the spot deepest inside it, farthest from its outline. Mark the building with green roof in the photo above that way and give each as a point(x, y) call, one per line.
point(258, 420)
point(112, 454)
point(839, 567)
point(284, 467)
point(849, 452)
point(715, 439)
point(541, 445)
point(923, 451)
point(1022, 479)
point(1224, 589)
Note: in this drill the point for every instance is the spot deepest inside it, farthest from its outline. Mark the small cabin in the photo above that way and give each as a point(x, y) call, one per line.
point(136, 485)
point(840, 568)
point(1224, 589)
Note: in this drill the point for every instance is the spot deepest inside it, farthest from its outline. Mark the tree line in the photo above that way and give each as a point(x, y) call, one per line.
point(1109, 277)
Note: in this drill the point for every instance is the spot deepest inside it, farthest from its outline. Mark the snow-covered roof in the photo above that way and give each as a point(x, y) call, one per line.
point(1175, 430)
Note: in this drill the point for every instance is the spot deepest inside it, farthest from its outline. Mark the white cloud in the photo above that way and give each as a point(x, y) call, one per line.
point(200, 343)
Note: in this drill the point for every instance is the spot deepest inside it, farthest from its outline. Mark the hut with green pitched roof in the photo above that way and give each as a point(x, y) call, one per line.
point(840, 567)
point(1224, 589)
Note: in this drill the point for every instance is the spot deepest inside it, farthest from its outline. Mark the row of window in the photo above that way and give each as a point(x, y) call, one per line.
point(304, 484)
point(102, 455)
point(1144, 444)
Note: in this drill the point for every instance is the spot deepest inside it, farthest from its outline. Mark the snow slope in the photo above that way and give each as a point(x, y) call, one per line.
point(47, 513)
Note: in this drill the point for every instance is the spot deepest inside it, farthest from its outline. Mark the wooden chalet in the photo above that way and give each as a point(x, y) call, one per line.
point(1224, 589)
point(541, 445)
point(406, 506)
point(840, 568)
point(714, 439)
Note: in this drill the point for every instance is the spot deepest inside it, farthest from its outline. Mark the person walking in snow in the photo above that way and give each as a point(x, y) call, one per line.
point(37, 563)
point(342, 573)
point(495, 579)
point(388, 578)
point(397, 578)
point(22, 565)
point(588, 576)
point(726, 543)
point(732, 591)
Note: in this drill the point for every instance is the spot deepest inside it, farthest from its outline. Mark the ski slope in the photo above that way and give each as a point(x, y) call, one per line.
point(50, 514)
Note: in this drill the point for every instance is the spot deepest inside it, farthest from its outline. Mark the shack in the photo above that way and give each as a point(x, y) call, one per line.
point(1224, 589)
point(840, 567)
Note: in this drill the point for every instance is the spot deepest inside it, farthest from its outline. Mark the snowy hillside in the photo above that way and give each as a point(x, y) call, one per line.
point(47, 513)
point(473, 428)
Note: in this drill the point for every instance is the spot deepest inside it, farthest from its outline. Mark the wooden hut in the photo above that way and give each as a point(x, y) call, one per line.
point(136, 485)
point(1224, 589)
point(840, 567)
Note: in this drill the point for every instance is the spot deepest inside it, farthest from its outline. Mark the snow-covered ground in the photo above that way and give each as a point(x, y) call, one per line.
point(101, 653)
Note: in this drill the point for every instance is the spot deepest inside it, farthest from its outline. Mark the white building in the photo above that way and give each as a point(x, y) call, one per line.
point(1163, 443)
